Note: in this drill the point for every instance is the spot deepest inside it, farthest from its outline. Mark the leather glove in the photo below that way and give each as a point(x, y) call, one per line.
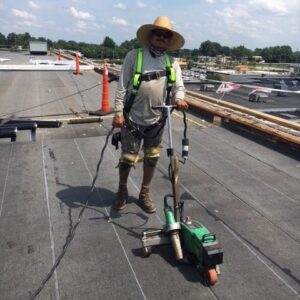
point(181, 105)
point(118, 121)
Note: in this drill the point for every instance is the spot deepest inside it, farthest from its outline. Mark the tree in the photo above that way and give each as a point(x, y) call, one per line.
point(241, 52)
point(296, 56)
point(278, 54)
point(209, 48)
point(3, 41)
point(11, 39)
point(258, 51)
point(132, 44)
point(109, 49)
point(226, 51)
point(286, 54)
point(108, 43)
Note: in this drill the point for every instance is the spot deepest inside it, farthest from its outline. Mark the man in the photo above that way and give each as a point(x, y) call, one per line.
point(134, 104)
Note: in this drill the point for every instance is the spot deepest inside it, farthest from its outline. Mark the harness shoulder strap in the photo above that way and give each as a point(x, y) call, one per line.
point(138, 70)
point(171, 78)
point(170, 73)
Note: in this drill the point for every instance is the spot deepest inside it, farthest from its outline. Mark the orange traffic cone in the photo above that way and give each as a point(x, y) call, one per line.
point(105, 90)
point(77, 71)
point(105, 106)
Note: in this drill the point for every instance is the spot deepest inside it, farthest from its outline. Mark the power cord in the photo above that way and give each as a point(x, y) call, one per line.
point(71, 234)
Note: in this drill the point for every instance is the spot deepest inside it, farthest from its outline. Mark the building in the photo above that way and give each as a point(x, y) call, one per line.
point(257, 58)
point(296, 69)
point(222, 59)
point(38, 48)
point(241, 69)
point(182, 62)
point(206, 59)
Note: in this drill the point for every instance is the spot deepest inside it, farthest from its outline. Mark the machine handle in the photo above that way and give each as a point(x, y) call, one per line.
point(163, 106)
point(208, 237)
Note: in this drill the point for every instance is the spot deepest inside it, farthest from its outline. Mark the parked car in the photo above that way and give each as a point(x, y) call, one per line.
point(207, 87)
point(257, 97)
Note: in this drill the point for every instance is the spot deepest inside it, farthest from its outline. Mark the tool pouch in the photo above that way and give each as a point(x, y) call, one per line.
point(115, 139)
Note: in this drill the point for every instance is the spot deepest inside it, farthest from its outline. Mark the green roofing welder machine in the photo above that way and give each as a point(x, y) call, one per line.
point(189, 238)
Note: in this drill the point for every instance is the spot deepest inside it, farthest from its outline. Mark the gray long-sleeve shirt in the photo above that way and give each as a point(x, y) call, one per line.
point(150, 93)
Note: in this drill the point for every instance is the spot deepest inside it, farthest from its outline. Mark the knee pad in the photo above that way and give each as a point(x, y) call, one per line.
point(151, 156)
point(151, 161)
point(128, 160)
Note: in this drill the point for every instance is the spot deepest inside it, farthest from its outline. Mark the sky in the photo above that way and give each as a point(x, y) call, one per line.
point(251, 23)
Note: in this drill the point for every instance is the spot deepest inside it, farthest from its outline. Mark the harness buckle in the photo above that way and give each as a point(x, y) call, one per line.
point(157, 73)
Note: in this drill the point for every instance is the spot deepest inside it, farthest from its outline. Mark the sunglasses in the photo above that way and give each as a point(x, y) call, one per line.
point(160, 33)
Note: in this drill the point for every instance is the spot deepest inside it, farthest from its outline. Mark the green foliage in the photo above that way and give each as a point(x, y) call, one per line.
point(109, 49)
point(128, 45)
point(3, 41)
point(108, 43)
point(213, 76)
point(209, 48)
point(278, 54)
point(241, 53)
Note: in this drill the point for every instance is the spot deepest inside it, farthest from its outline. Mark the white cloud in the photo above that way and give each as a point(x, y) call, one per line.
point(33, 5)
point(80, 14)
point(232, 13)
point(120, 5)
point(97, 26)
point(141, 4)
point(278, 7)
point(81, 26)
point(28, 24)
point(119, 21)
point(22, 14)
point(210, 1)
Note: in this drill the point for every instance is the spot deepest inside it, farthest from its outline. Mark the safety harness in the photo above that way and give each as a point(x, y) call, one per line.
point(139, 77)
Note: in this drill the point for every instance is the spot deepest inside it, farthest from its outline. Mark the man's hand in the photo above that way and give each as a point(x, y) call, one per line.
point(118, 121)
point(181, 105)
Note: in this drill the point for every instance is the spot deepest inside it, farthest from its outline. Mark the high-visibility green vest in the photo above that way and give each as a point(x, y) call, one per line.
point(170, 73)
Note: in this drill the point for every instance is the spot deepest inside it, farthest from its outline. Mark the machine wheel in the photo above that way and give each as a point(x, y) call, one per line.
point(211, 277)
point(147, 251)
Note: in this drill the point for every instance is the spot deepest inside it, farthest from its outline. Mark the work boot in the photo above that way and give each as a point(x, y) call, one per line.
point(145, 201)
point(121, 197)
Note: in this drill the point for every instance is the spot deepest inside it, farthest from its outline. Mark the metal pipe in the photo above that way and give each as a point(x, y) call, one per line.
point(9, 133)
point(21, 126)
point(40, 124)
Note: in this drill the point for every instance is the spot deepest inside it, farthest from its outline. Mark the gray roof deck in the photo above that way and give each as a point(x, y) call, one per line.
point(245, 193)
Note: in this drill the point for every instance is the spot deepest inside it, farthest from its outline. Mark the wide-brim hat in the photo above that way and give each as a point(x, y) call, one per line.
point(163, 23)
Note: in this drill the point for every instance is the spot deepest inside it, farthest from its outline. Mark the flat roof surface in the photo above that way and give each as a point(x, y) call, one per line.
point(22, 57)
point(245, 193)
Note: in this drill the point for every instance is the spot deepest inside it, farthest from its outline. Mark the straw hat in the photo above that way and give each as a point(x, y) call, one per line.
point(163, 23)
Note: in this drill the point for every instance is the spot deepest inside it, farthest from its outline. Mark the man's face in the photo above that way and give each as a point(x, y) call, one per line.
point(160, 39)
